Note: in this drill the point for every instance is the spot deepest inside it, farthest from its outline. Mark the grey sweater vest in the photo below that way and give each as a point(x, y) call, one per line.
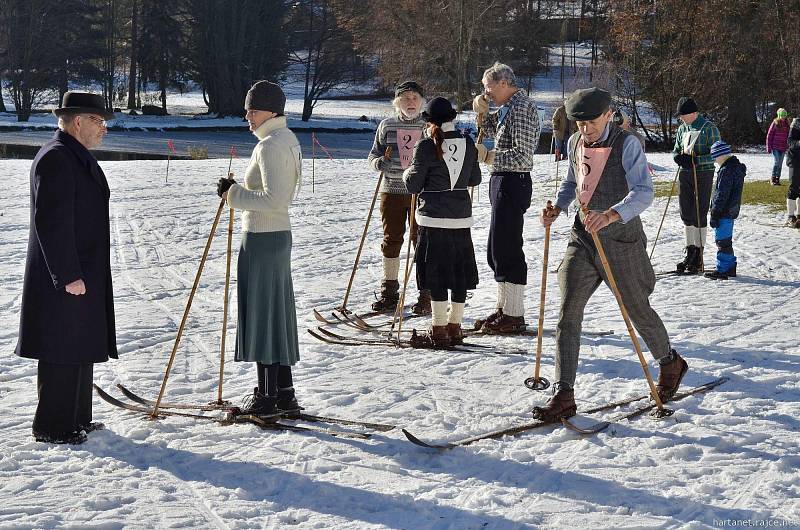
point(611, 189)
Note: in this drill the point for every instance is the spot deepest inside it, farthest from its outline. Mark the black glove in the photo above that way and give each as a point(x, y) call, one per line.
point(383, 163)
point(224, 185)
point(714, 222)
point(683, 160)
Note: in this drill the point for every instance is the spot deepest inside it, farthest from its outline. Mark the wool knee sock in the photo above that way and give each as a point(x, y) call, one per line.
point(515, 300)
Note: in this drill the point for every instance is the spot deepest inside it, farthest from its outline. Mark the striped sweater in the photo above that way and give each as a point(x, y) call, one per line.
point(402, 146)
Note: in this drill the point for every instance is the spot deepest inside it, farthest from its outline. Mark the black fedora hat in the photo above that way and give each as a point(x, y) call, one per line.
point(83, 103)
point(439, 111)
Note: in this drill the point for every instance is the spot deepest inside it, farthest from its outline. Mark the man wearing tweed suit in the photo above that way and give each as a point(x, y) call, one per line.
point(615, 191)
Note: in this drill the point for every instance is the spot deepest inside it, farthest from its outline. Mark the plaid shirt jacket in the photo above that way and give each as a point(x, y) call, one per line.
point(516, 136)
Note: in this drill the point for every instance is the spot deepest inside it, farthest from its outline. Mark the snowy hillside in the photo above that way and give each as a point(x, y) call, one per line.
point(725, 457)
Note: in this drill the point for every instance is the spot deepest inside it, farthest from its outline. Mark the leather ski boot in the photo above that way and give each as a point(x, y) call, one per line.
point(670, 376)
point(561, 405)
point(389, 296)
point(456, 334)
point(436, 338)
point(258, 404)
point(688, 260)
point(287, 401)
point(423, 305)
point(505, 325)
point(696, 264)
point(491, 318)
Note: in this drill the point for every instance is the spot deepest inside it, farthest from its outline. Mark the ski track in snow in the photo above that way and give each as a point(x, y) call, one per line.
point(729, 454)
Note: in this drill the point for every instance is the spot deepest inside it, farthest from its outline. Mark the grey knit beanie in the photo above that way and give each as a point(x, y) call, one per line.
point(265, 96)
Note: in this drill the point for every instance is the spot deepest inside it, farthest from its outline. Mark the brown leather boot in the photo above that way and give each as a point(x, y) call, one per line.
point(389, 296)
point(670, 377)
point(561, 405)
point(423, 305)
point(455, 334)
point(436, 338)
point(505, 325)
point(491, 318)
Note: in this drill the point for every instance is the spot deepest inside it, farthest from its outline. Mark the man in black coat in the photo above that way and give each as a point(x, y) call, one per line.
point(67, 314)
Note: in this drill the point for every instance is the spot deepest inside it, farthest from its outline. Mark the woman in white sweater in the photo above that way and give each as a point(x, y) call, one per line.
point(267, 325)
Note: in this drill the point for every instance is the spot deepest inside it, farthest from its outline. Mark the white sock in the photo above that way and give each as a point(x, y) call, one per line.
point(391, 268)
point(693, 236)
point(515, 300)
point(456, 313)
point(791, 206)
point(702, 240)
point(439, 313)
point(687, 235)
point(501, 295)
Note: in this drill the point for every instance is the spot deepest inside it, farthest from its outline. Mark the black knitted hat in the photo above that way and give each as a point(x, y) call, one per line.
point(408, 86)
point(686, 105)
point(264, 95)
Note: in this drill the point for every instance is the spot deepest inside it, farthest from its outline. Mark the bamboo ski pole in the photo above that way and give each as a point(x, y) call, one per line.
point(387, 155)
point(536, 382)
point(697, 213)
point(664, 215)
point(225, 310)
point(661, 412)
point(398, 313)
point(154, 413)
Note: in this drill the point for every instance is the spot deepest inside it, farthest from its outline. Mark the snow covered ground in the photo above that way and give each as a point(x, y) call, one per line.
point(725, 459)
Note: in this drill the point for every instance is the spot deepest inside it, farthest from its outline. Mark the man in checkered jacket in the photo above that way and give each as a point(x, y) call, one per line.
point(515, 129)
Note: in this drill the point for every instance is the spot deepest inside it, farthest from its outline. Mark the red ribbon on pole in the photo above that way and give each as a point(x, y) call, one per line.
point(233, 151)
point(171, 146)
point(314, 139)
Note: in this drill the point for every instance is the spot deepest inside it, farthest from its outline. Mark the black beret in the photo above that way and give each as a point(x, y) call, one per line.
point(686, 105)
point(587, 104)
point(408, 86)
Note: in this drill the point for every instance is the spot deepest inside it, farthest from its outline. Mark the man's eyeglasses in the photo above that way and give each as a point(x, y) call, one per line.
point(99, 121)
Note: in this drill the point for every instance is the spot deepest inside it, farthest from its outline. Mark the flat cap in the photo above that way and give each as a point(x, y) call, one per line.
point(587, 104)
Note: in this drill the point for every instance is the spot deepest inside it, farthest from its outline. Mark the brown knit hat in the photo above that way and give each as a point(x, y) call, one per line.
point(265, 96)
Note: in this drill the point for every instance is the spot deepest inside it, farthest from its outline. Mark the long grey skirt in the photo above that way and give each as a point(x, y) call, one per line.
point(267, 328)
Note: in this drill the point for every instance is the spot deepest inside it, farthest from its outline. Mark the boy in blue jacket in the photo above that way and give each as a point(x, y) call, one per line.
point(725, 203)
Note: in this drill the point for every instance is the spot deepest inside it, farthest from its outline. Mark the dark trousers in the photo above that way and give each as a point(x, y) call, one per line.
point(458, 296)
point(510, 195)
point(794, 184)
point(65, 398)
point(705, 179)
point(396, 211)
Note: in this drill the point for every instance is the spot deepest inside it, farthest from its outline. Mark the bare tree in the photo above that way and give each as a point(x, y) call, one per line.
point(322, 51)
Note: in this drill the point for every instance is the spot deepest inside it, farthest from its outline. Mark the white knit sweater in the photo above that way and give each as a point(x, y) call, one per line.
point(270, 180)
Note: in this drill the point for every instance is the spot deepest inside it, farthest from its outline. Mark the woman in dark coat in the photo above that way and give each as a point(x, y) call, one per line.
point(67, 313)
point(444, 167)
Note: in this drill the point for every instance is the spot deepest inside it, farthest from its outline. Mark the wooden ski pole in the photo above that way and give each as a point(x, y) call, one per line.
point(536, 382)
point(664, 215)
point(154, 413)
point(387, 155)
point(225, 311)
point(697, 213)
point(398, 312)
point(661, 412)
